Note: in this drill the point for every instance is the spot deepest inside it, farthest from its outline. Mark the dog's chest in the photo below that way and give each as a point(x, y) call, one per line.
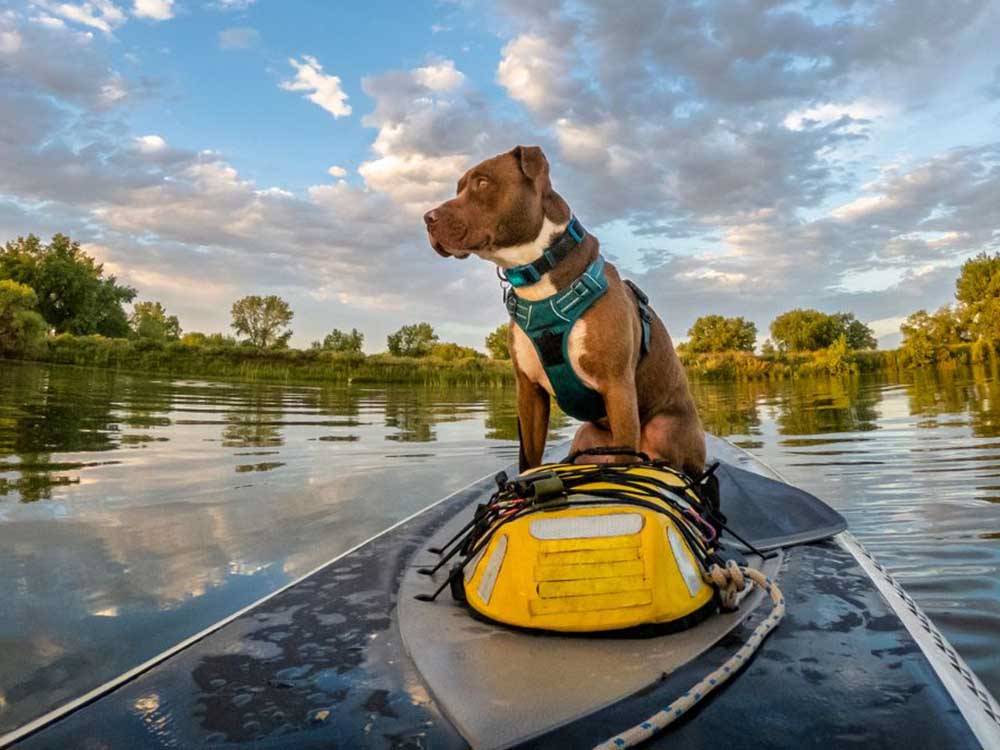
point(527, 359)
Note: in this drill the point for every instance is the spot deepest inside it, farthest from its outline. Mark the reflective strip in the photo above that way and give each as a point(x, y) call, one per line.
point(555, 589)
point(584, 556)
point(607, 542)
point(492, 569)
point(587, 527)
point(583, 572)
point(473, 565)
point(691, 577)
point(590, 603)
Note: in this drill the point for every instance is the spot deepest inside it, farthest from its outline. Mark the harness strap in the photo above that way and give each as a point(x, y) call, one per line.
point(566, 305)
point(645, 314)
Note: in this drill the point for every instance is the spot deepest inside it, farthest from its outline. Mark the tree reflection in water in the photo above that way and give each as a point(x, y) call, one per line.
point(137, 510)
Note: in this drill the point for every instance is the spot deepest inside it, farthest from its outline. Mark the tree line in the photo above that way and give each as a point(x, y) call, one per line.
point(973, 319)
point(57, 288)
point(799, 330)
point(793, 331)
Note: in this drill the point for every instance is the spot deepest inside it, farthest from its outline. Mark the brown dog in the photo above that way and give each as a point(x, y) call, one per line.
point(506, 212)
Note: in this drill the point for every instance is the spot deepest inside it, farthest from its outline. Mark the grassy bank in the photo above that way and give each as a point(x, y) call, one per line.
point(247, 363)
point(179, 359)
point(832, 361)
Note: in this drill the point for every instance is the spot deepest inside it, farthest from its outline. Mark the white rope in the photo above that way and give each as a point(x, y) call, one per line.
point(731, 584)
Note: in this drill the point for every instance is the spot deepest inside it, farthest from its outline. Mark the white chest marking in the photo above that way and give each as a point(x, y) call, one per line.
point(518, 255)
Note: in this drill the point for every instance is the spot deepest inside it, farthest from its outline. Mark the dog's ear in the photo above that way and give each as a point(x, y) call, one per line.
point(532, 160)
point(536, 168)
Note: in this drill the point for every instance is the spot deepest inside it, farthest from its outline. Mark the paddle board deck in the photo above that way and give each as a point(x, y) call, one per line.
point(323, 663)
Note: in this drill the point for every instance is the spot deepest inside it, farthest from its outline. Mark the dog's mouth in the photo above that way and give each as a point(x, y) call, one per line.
point(446, 253)
point(439, 248)
point(465, 252)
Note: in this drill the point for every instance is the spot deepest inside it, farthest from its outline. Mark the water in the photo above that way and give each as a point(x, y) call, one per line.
point(135, 511)
point(915, 468)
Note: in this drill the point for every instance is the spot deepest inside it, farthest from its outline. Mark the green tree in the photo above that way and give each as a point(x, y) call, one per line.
point(927, 337)
point(919, 345)
point(804, 330)
point(197, 338)
point(812, 330)
point(977, 290)
point(74, 295)
point(856, 333)
point(947, 327)
point(22, 330)
point(716, 333)
point(194, 338)
point(451, 352)
point(341, 341)
point(149, 320)
point(412, 341)
point(263, 321)
point(497, 342)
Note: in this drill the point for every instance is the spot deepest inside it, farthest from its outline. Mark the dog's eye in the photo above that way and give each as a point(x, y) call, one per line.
point(482, 183)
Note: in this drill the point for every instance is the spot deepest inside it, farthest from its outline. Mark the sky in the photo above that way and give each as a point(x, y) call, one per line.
point(742, 157)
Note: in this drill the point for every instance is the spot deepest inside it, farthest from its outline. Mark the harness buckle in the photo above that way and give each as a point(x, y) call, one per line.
point(510, 302)
point(523, 275)
point(538, 488)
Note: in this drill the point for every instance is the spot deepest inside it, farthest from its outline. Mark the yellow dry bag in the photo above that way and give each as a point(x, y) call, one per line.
point(586, 548)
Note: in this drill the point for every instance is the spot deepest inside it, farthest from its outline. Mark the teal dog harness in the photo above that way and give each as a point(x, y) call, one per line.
point(548, 322)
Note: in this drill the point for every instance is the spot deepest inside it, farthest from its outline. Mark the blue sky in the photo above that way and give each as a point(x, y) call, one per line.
point(228, 98)
point(736, 156)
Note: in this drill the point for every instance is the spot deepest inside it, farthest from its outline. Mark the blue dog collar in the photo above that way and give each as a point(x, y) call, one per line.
point(553, 255)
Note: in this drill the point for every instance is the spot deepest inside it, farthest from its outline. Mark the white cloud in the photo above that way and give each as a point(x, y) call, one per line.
point(324, 89)
point(713, 276)
point(50, 21)
point(530, 70)
point(415, 181)
point(10, 42)
point(430, 130)
point(156, 10)
point(886, 326)
point(113, 91)
point(150, 144)
point(705, 133)
point(102, 15)
point(441, 76)
point(233, 4)
point(861, 207)
point(238, 37)
point(829, 112)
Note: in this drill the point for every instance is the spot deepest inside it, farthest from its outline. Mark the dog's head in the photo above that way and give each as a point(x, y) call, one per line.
point(500, 203)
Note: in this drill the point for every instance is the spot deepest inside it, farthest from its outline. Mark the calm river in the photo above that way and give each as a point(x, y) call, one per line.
point(135, 511)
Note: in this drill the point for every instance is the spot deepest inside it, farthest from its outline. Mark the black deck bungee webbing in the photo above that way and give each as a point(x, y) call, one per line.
point(519, 497)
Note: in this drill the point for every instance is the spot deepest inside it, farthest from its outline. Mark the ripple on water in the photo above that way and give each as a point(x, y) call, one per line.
point(109, 562)
point(914, 466)
point(114, 554)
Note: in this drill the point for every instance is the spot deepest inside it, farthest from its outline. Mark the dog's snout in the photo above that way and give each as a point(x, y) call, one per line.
point(431, 216)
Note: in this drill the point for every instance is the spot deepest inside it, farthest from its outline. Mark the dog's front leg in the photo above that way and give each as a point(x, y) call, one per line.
point(622, 405)
point(532, 421)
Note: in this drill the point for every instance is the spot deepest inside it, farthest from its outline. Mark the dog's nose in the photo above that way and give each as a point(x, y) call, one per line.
point(430, 217)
